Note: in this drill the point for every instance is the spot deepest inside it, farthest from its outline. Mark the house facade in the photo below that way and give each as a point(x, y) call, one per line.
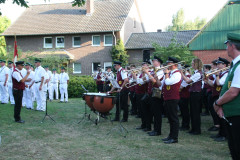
point(208, 44)
point(85, 34)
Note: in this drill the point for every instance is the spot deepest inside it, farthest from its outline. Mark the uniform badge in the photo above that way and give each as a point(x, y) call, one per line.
point(139, 84)
point(168, 87)
point(229, 84)
point(120, 82)
point(218, 88)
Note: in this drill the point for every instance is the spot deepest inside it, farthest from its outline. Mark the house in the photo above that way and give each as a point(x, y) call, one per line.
point(84, 34)
point(208, 44)
point(140, 45)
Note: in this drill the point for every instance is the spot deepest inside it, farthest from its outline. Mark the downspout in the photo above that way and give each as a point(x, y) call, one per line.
point(115, 40)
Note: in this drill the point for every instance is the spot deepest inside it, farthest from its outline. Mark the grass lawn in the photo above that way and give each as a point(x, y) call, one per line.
point(66, 139)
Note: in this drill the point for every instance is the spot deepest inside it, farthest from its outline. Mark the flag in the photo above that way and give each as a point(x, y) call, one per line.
point(15, 52)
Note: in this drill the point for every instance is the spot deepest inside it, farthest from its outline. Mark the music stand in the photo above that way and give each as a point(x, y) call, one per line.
point(120, 127)
point(46, 112)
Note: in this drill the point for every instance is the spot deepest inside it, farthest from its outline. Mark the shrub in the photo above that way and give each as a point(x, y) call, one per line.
point(74, 88)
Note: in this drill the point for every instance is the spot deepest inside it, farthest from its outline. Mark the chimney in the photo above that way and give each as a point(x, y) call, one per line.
point(90, 7)
point(159, 30)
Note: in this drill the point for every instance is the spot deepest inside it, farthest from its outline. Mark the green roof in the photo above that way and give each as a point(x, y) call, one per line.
point(213, 35)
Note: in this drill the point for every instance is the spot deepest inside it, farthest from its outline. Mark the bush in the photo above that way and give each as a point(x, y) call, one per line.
point(74, 88)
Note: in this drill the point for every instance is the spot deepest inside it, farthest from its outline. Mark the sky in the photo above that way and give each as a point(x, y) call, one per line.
point(156, 14)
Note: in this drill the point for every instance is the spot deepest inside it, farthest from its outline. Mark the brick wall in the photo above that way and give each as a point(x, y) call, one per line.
point(136, 55)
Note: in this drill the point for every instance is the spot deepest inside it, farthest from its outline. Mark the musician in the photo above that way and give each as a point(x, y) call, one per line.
point(217, 86)
point(140, 90)
point(171, 97)
point(4, 82)
point(155, 100)
point(122, 96)
point(109, 75)
point(195, 96)
point(99, 79)
point(184, 101)
point(206, 91)
point(228, 103)
point(132, 95)
point(10, 89)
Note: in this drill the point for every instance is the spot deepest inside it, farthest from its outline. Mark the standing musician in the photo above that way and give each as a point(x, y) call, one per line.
point(109, 76)
point(184, 100)
point(10, 89)
point(206, 91)
point(99, 79)
point(122, 96)
point(155, 100)
point(195, 96)
point(132, 95)
point(171, 97)
point(4, 82)
point(227, 106)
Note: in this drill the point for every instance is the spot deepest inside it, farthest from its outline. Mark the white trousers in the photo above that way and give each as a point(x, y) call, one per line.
point(54, 88)
point(40, 97)
point(33, 92)
point(24, 99)
point(28, 100)
point(10, 92)
point(4, 93)
point(63, 92)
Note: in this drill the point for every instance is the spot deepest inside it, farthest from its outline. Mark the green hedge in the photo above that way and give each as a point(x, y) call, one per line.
point(74, 88)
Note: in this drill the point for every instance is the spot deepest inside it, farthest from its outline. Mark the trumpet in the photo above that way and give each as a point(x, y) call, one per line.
point(139, 69)
point(216, 71)
point(167, 66)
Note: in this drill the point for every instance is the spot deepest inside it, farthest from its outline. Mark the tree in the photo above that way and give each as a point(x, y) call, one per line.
point(118, 53)
point(178, 23)
point(23, 3)
point(4, 24)
point(175, 49)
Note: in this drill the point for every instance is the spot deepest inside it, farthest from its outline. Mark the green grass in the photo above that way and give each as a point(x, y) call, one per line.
point(66, 139)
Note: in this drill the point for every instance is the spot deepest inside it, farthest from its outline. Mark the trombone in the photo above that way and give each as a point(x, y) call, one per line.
point(216, 71)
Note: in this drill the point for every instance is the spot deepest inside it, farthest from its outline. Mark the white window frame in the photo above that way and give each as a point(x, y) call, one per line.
point(107, 65)
point(105, 41)
point(56, 42)
point(93, 66)
point(74, 72)
point(44, 42)
point(73, 42)
point(99, 43)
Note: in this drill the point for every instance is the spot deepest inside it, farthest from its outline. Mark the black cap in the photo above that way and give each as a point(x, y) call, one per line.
point(37, 60)
point(28, 64)
point(186, 66)
point(117, 62)
point(157, 59)
point(108, 67)
point(10, 62)
point(146, 62)
point(172, 60)
point(63, 67)
point(233, 37)
point(3, 61)
point(54, 69)
point(222, 60)
point(214, 62)
point(45, 66)
point(20, 63)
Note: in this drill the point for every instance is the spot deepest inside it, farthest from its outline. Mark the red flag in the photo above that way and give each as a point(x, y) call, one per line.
point(15, 52)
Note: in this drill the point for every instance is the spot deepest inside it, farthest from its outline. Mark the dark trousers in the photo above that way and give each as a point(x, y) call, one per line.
point(107, 87)
point(135, 108)
point(184, 106)
point(205, 99)
point(195, 107)
point(18, 95)
point(147, 114)
point(233, 133)
point(172, 110)
point(100, 87)
point(122, 103)
point(139, 104)
point(215, 117)
point(156, 109)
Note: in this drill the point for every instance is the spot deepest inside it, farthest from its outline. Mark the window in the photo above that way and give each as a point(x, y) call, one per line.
point(108, 40)
point(146, 55)
point(134, 23)
point(59, 42)
point(96, 40)
point(76, 41)
point(77, 68)
point(106, 64)
point(95, 66)
point(47, 42)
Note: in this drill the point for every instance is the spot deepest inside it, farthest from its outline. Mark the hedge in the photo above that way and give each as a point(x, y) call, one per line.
point(74, 88)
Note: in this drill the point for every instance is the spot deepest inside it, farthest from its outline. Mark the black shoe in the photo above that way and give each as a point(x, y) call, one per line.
point(213, 128)
point(154, 134)
point(215, 136)
point(191, 131)
point(124, 120)
point(166, 139)
point(184, 128)
point(220, 139)
point(147, 129)
point(195, 133)
point(20, 121)
point(137, 116)
point(115, 119)
point(151, 132)
point(60, 102)
point(170, 141)
point(140, 128)
point(205, 114)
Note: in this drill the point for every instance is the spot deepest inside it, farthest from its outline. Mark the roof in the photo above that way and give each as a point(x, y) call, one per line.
point(62, 18)
point(145, 40)
point(214, 33)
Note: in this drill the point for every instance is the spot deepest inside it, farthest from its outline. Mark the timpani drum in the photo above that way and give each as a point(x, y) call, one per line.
point(103, 103)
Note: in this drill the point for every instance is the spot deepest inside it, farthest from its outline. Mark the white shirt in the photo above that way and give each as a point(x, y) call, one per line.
point(110, 75)
point(55, 78)
point(3, 71)
point(63, 78)
point(17, 75)
point(123, 73)
point(223, 79)
point(39, 73)
point(184, 83)
point(24, 72)
point(10, 75)
point(236, 78)
point(49, 74)
point(196, 76)
point(174, 78)
point(31, 76)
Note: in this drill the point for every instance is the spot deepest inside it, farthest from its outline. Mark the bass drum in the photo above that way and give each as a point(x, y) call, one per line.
point(89, 98)
point(103, 103)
